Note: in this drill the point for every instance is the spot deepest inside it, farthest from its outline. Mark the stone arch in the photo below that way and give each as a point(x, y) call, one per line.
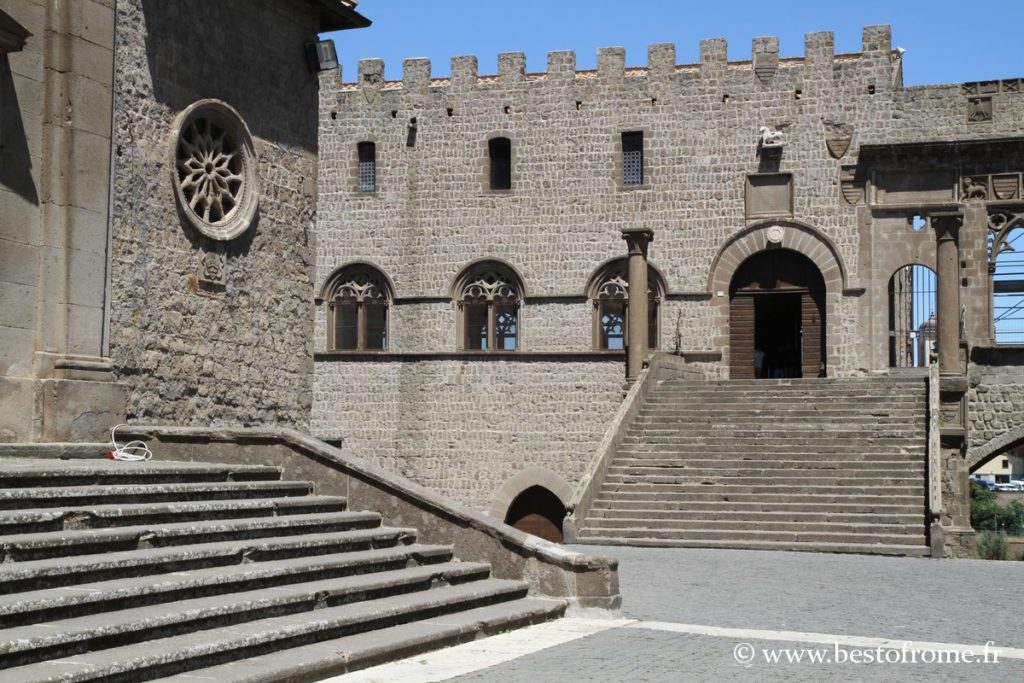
point(979, 455)
point(911, 308)
point(519, 482)
point(795, 236)
point(331, 280)
point(476, 265)
point(785, 234)
point(598, 274)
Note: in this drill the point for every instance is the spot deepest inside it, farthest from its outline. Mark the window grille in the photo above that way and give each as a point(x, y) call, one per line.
point(633, 158)
point(367, 167)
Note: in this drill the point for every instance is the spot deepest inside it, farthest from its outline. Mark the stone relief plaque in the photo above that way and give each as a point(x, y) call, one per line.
point(213, 162)
point(979, 109)
point(769, 194)
point(915, 187)
point(213, 270)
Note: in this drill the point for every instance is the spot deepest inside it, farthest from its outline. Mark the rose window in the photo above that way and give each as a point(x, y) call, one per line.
point(215, 170)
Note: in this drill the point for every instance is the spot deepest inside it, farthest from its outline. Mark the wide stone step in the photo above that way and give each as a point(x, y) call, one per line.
point(780, 477)
point(54, 572)
point(68, 637)
point(697, 516)
point(13, 499)
point(699, 534)
point(614, 497)
point(750, 466)
point(351, 653)
point(850, 439)
point(751, 524)
point(90, 541)
point(105, 516)
point(20, 473)
point(762, 488)
point(188, 651)
point(122, 593)
point(758, 504)
point(909, 550)
point(837, 452)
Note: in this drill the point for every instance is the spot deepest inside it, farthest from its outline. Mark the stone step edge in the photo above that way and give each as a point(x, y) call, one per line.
point(64, 543)
point(346, 655)
point(56, 572)
point(85, 517)
point(92, 597)
point(185, 652)
point(815, 547)
point(68, 637)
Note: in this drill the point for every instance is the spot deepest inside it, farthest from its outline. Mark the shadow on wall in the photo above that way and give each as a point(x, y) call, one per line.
point(244, 52)
point(15, 161)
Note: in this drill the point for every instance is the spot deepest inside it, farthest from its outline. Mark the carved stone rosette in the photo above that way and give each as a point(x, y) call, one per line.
point(213, 162)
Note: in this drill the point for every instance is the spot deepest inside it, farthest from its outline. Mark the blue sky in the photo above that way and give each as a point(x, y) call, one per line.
point(946, 41)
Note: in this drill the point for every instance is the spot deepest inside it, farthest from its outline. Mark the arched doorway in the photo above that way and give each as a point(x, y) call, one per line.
point(777, 317)
point(539, 512)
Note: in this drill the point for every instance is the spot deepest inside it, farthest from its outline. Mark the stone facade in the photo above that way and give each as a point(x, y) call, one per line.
point(237, 354)
point(113, 305)
point(828, 155)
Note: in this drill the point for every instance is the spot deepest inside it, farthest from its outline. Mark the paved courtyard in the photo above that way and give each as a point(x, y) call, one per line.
point(764, 616)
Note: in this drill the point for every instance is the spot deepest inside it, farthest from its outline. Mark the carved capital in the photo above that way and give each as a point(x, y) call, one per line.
point(946, 225)
point(637, 240)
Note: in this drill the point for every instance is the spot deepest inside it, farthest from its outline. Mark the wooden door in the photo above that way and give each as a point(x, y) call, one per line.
point(812, 322)
point(741, 336)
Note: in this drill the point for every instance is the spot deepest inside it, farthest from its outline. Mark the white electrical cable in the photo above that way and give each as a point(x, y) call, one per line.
point(133, 451)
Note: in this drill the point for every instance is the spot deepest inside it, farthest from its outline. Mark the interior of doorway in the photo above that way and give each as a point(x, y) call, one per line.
point(778, 335)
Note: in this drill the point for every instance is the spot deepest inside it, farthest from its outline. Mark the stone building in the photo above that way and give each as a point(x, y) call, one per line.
point(471, 272)
point(117, 296)
point(201, 231)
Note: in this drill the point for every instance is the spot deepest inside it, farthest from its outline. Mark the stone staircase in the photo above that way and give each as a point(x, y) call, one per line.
point(117, 571)
point(831, 465)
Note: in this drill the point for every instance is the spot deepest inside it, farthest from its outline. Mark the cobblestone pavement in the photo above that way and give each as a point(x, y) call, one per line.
point(682, 599)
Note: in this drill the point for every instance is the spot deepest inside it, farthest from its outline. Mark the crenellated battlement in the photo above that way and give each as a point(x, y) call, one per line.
point(819, 55)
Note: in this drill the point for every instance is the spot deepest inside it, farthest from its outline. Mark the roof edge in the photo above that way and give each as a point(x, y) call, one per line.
point(337, 15)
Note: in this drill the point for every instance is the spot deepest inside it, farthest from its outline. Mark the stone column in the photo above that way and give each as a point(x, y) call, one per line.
point(947, 232)
point(637, 240)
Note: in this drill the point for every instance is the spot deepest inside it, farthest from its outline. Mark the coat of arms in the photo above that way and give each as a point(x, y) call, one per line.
point(838, 137)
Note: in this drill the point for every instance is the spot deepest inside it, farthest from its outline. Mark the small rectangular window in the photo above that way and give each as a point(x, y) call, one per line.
point(367, 166)
point(346, 326)
point(613, 324)
point(633, 158)
point(505, 327)
point(500, 152)
point(376, 326)
point(476, 326)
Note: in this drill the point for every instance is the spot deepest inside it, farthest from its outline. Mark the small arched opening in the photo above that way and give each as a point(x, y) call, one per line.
point(912, 323)
point(539, 512)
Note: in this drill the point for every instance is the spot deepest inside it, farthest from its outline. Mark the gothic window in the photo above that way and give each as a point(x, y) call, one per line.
point(358, 299)
point(609, 293)
point(499, 150)
point(488, 297)
point(367, 173)
point(633, 158)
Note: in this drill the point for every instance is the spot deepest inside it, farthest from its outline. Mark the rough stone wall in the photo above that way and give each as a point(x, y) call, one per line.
point(242, 356)
point(432, 213)
point(996, 401)
point(462, 427)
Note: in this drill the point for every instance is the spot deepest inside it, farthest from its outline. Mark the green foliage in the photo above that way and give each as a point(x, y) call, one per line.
point(988, 515)
point(993, 545)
